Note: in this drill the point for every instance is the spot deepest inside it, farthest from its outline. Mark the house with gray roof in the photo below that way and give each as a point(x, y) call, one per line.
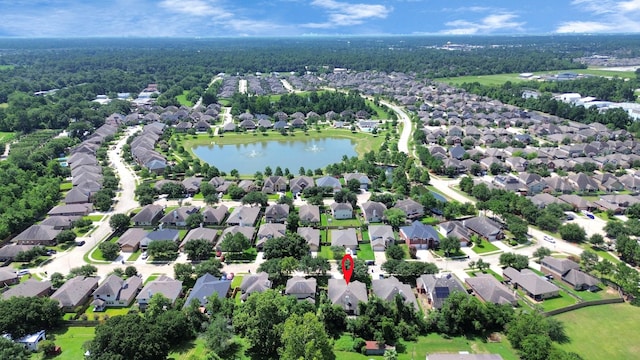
point(214, 216)
point(276, 213)
point(29, 288)
point(569, 271)
point(210, 235)
point(420, 235)
point(192, 185)
point(130, 240)
point(312, 236)
point(301, 288)
point(116, 292)
point(269, 231)
point(577, 202)
point(535, 286)
point(381, 236)
point(373, 211)
point(299, 183)
point(544, 199)
point(247, 231)
point(489, 289)
point(346, 295)
point(341, 210)
point(9, 251)
point(37, 235)
point(160, 235)
point(75, 292)
point(362, 178)
point(582, 183)
point(243, 216)
point(484, 227)
point(149, 215)
point(76, 196)
point(60, 222)
point(179, 216)
point(165, 285)
point(206, 286)
point(274, 184)
point(456, 229)
point(411, 208)
point(8, 276)
point(438, 287)
point(388, 288)
point(71, 210)
point(329, 181)
point(309, 214)
point(346, 238)
point(256, 283)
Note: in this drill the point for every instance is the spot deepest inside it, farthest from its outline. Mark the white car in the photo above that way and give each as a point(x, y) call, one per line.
point(145, 255)
point(549, 239)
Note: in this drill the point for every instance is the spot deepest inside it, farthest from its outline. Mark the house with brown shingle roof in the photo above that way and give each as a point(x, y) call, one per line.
point(75, 292)
point(37, 235)
point(347, 296)
point(116, 292)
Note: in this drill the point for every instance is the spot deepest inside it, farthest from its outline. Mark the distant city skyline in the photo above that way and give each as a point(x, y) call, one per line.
point(231, 18)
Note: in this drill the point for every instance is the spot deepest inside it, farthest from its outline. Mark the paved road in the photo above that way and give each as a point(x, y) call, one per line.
point(407, 126)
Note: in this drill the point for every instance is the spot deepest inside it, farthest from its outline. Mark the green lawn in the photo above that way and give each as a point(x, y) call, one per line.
point(440, 253)
point(325, 252)
point(109, 312)
point(237, 280)
point(602, 253)
point(182, 99)
point(194, 349)
point(434, 343)
point(561, 301)
point(151, 278)
point(135, 255)
point(484, 247)
point(65, 186)
point(71, 341)
point(95, 218)
point(6, 136)
point(365, 252)
point(328, 220)
point(603, 332)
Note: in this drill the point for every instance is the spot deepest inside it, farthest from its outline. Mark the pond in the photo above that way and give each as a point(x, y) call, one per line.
point(292, 154)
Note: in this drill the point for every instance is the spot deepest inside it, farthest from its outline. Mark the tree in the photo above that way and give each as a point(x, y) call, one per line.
point(194, 220)
point(466, 184)
point(235, 243)
point(12, 350)
point(354, 185)
point(219, 338)
point(346, 196)
point(633, 211)
point(461, 314)
point(572, 232)
point(395, 252)
point(390, 354)
point(119, 222)
point(84, 270)
point(102, 200)
point(66, 236)
point(211, 266)
point(615, 228)
point(360, 272)
point(596, 240)
point(130, 271)
point(535, 347)
point(450, 244)
point(333, 317)
point(110, 251)
point(292, 245)
point(256, 198)
point(513, 260)
point(198, 249)
point(541, 252)
point(57, 279)
point(235, 192)
point(395, 217)
point(20, 316)
point(305, 337)
point(589, 260)
point(163, 250)
point(314, 265)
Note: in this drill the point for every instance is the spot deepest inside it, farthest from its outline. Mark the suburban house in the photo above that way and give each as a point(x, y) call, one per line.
point(29, 288)
point(489, 289)
point(160, 235)
point(456, 229)
point(274, 184)
point(130, 240)
point(31, 341)
point(8, 276)
point(37, 235)
point(362, 178)
point(60, 222)
point(438, 287)
point(341, 210)
point(168, 287)
point(569, 272)
point(269, 231)
point(301, 288)
point(71, 210)
point(312, 236)
point(298, 184)
point(388, 288)
point(192, 185)
point(116, 292)
point(179, 216)
point(75, 292)
point(420, 235)
point(346, 295)
point(9, 251)
point(276, 213)
point(309, 214)
point(412, 208)
point(346, 238)
point(373, 211)
point(214, 216)
point(76, 196)
point(329, 181)
point(484, 227)
point(200, 233)
point(535, 286)
point(381, 236)
point(148, 215)
point(208, 285)
point(256, 283)
point(247, 231)
point(243, 216)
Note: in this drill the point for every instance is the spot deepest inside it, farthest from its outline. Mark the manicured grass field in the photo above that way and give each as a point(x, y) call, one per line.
point(71, 341)
point(326, 220)
point(325, 252)
point(66, 186)
point(484, 247)
point(561, 301)
point(192, 350)
point(365, 252)
point(95, 218)
point(182, 99)
point(603, 332)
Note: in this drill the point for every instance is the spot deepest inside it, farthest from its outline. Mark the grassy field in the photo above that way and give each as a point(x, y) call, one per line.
point(435, 343)
point(65, 186)
point(71, 340)
point(484, 247)
point(182, 99)
point(6, 136)
point(365, 252)
point(325, 252)
point(192, 350)
point(326, 220)
point(364, 142)
point(561, 301)
point(612, 324)
point(500, 79)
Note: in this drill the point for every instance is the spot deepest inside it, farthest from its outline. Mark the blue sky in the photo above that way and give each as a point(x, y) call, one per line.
point(213, 18)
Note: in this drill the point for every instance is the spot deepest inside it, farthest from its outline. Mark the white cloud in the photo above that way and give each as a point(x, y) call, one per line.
point(190, 7)
point(346, 14)
point(489, 24)
point(611, 16)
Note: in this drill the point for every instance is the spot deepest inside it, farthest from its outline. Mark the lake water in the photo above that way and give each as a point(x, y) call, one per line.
point(249, 158)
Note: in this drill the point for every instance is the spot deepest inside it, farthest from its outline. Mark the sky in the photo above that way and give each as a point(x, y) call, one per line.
point(232, 18)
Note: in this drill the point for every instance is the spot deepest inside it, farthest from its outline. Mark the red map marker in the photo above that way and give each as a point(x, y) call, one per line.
point(347, 271)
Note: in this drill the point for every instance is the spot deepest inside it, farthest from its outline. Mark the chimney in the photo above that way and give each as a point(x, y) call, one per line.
point(175, 214)
point(240, 222)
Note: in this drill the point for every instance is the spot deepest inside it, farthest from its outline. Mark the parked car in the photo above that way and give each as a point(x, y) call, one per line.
point(80, 243)
point(144, 255)
point(549, 239)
